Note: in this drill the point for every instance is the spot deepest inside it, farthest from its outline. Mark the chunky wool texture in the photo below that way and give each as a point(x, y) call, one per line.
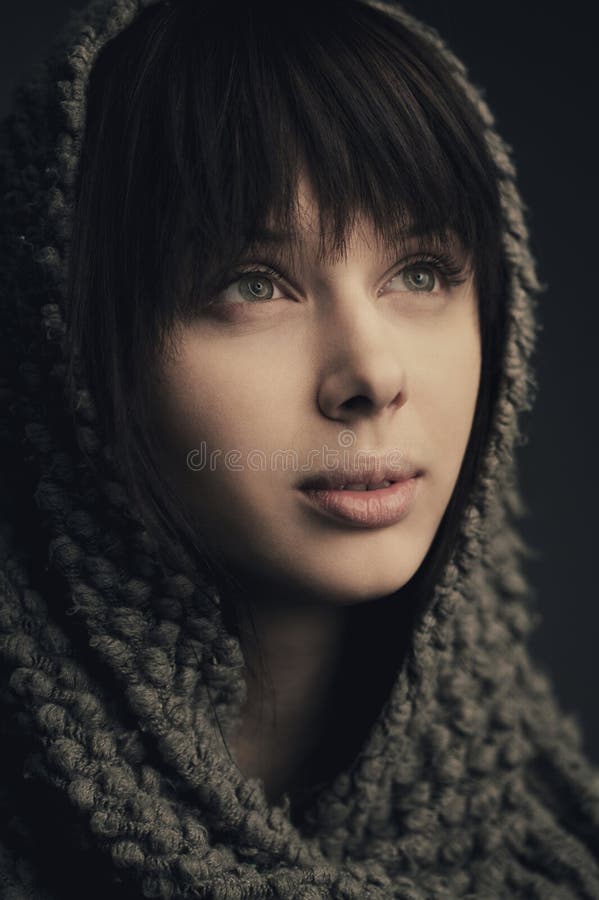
point(473, 781)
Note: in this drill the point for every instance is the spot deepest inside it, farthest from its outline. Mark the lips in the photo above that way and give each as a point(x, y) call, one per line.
point(362, 476)
point(365, 509)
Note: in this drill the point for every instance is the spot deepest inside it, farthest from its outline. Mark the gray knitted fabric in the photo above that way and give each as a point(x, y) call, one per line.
point(473, 781)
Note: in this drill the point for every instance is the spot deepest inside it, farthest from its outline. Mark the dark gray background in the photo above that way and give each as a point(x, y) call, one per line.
point(535, 67)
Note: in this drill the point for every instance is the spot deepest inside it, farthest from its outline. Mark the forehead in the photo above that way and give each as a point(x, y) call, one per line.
point(306, 225)
point(305, 232)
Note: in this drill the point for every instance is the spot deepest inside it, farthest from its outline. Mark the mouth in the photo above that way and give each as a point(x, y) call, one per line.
point(366, 505)
point(364, 486)
point(373, 478)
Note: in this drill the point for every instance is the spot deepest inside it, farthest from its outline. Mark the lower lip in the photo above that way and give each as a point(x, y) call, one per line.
point(368, 509)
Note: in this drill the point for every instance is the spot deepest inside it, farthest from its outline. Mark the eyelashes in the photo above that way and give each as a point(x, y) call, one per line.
point(449, 270)
point(444, 266)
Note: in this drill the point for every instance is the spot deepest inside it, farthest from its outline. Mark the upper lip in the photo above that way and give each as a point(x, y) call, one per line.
point(364, 472)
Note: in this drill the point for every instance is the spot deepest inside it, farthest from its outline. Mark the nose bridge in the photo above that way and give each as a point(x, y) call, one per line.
point(359, 352)
point(351, 321)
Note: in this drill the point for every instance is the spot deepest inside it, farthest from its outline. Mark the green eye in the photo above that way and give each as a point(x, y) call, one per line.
point(419, 277)
point(255, 287)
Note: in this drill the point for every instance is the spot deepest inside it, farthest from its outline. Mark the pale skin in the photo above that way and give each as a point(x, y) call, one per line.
point(343, 345)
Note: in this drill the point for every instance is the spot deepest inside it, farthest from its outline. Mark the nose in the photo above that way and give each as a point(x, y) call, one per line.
point(362, 372)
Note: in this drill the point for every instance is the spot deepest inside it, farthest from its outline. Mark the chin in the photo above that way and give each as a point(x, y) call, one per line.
point(349, 584)
point(365, 570)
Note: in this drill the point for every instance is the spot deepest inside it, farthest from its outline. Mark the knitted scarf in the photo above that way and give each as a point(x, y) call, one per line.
point(472, 781)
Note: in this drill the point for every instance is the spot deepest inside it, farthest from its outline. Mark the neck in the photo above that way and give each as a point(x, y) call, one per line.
point(293, 653)
point(306, 709)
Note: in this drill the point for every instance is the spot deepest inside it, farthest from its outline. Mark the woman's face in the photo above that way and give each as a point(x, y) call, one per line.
point(351, 359)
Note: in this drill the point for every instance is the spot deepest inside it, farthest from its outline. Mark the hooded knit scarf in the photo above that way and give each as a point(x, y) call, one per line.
point(472, 781)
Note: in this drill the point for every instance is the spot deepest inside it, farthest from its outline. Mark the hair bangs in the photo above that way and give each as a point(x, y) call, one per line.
point(361, 110)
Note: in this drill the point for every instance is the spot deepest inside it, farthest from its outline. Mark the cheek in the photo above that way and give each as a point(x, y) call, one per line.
point(234, 394)
point(446, 400)
point(225, 404)
point(199, 397)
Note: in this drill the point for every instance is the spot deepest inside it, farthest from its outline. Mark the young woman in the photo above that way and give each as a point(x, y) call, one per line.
point(267, 321)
